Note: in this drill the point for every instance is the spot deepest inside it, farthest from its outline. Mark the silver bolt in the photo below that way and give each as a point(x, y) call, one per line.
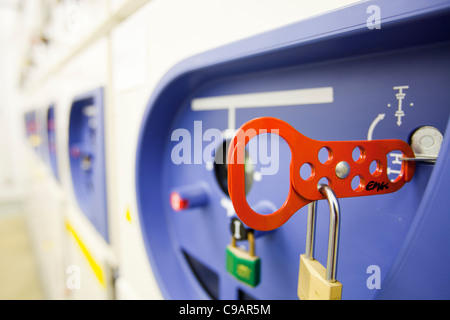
point(342, 170)
point(427, 140)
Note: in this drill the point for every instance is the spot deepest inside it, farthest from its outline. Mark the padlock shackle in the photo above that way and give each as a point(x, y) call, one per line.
point(251, 243)
point(333, 233)
point(311, 230)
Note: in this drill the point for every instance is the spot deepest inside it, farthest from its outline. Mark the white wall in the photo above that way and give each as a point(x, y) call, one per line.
point(12, 175)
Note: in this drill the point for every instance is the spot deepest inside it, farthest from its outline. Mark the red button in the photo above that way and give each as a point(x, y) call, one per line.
point(177, 202)
point(75, 152)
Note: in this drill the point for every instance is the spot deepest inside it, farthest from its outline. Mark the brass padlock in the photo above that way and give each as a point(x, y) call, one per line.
point(314, 281)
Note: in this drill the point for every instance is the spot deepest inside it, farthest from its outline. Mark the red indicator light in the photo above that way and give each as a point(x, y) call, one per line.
point(75, 152)
point(177, 202)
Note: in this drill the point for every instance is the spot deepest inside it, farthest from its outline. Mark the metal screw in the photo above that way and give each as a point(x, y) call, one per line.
point(342, 170)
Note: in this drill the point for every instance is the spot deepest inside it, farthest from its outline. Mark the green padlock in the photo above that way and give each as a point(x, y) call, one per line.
point(244, 265)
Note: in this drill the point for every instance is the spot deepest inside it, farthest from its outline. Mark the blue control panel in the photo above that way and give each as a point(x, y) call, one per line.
point(51, 141)
point(335, 77)
point(32, 133)
point(87, 157)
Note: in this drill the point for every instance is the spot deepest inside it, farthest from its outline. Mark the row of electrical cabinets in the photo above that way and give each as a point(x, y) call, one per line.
point(86, 152)
point(60, 245)
point(147, 211)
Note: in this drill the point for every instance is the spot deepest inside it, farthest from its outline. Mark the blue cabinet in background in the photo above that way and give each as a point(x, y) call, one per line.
point(87, 157)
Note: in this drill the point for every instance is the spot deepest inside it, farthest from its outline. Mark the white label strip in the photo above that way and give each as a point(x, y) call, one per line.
point(265, 99)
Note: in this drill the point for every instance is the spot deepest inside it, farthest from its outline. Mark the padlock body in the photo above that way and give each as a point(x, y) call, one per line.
point(312, 283)
point(243, 266)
